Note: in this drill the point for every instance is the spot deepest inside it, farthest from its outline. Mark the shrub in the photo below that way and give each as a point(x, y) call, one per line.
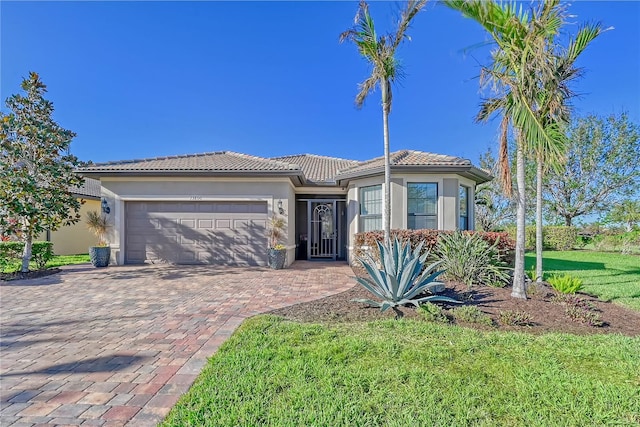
point(472, 314)
point(579, 310)
point(433, 313)
point(529, 236)
point(367, 242)
point(565, 284)
point(515, 318)
point(469, 259)
point(559, 238)
point(402, 278)
point(11, 255)
point(556, 238)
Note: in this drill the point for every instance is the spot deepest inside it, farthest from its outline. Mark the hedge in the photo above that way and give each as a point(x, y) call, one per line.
point(555, 238)
point(503, 242)
point(11, 254)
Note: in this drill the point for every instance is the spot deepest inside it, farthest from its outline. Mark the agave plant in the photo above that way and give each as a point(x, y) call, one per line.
point(402, 278)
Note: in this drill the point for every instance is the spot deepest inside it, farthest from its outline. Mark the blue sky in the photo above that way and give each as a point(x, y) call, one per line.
point(145, 79)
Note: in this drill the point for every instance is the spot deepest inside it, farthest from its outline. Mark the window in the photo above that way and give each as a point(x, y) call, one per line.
point(371, 208)
point(463, 199)
point(422, 205)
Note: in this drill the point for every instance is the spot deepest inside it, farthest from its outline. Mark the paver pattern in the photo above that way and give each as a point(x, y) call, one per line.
point(119, 346)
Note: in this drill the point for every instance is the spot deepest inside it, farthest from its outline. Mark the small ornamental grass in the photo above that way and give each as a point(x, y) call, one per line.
point(515, 318)
point(579, 310)
point(402, 278)
point(433, 313)
point(469, 259)
point(565, 284)
point(472, 314)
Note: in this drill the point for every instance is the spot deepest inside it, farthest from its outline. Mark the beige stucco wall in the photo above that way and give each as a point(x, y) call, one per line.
point(448, 204)
point(118, 191)
point(74, 239)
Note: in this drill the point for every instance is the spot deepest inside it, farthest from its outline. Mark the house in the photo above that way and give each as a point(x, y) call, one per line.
point(214, 207)
point(76, 238)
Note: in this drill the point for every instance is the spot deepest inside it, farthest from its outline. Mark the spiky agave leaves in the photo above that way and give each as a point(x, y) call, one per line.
point(402, 277)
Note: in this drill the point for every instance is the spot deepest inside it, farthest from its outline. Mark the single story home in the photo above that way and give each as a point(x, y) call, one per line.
point(76, 238)
point(214, 207)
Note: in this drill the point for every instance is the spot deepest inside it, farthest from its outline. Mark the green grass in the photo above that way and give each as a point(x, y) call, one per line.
point(56, 261)
point(273, 372)
point(609, 276)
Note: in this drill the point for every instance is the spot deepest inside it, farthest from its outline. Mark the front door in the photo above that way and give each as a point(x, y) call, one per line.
point(322, 228)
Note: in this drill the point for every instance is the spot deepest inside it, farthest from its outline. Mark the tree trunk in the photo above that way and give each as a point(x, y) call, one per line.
point(26, 253)
point(539, 238)
point(567, 221)
point(386, 212)
point(519, 290)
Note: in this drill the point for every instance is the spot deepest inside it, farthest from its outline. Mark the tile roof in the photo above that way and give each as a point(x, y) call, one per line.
point(319, 169)
point(90, 188)
point(311, 168)
point(222, 161)
point(407, 158)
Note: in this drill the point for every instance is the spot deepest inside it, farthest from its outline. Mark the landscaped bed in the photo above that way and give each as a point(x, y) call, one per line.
point(338, 362)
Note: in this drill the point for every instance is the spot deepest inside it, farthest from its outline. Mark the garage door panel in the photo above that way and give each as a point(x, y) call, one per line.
point(226, 233)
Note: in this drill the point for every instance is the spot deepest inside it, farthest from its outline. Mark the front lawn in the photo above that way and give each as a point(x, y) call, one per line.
point(609, 276)
point(56, 261)
point(274, 372)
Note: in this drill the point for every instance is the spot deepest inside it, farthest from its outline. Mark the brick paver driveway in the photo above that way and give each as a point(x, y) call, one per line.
point(120, 345)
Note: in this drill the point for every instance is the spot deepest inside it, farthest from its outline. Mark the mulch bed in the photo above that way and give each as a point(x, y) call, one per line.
point(29, 275)
point(545, 314)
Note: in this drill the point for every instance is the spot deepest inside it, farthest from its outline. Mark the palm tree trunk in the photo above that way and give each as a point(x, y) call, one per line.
point(519, 290)
point(386, 212)
point(539, 238)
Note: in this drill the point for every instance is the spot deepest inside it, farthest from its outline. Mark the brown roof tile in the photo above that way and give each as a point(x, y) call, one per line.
point(407, 158)
point(319, 169)
point(223, 161)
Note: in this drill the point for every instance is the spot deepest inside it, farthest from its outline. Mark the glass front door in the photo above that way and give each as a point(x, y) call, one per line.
point(322, 230)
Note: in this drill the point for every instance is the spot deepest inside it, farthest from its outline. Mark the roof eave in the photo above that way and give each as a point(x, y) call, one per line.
point(468, 171)
point(296, 176)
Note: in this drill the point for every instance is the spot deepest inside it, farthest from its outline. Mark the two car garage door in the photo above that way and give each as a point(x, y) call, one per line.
point(226, 233)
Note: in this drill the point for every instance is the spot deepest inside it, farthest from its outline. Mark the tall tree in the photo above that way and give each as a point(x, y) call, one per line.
point(516, 74)
point(601, 166)
point(36, 168)
point(493, 209)
point(625, 212)
point(380, 53)
point(553, 106)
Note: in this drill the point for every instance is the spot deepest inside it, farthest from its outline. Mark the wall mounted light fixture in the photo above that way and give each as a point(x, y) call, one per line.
point(280, 208)
point(105, 206)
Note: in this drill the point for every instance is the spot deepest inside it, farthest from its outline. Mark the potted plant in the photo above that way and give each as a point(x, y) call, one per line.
point(99, 225)
point(277, 251)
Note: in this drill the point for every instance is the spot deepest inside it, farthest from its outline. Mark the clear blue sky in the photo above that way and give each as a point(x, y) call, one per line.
point(145, 79)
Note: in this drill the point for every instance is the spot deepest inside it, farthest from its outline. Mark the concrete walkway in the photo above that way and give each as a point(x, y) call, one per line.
point(118, 346)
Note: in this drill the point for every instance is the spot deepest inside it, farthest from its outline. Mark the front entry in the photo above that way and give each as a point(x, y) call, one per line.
point(322, 241)
point(321, 228)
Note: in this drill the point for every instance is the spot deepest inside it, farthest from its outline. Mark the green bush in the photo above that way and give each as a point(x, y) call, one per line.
point(529, 236)
point(11, 255)
point(472, 314)
point(554, 237)
point(559, 238)
point(433, 313)
point(366, 242)
point(469, 259)
point(565, 284)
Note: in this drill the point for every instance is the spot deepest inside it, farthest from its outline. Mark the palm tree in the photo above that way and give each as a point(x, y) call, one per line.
point(519, 66)
point(553, 106)
point(380, 53)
